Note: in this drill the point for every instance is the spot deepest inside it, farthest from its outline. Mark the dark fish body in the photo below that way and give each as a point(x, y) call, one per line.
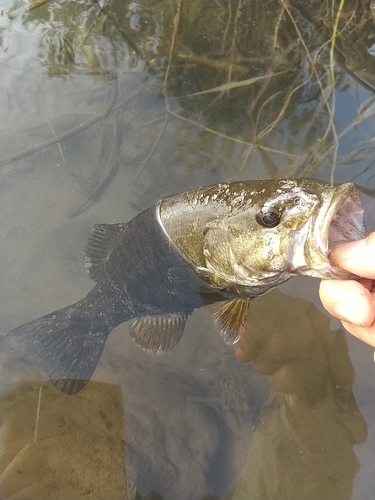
point(138, 273)
point(221, 244)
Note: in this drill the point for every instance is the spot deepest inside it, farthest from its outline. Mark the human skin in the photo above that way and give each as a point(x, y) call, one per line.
point(353, 301)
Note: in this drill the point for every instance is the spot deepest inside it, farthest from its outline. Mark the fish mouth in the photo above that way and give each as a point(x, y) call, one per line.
point(339, 220)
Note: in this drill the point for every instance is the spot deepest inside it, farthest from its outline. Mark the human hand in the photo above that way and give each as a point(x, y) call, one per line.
point(353, 302)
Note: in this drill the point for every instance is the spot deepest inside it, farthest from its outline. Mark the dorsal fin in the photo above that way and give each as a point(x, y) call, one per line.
point(158, 333)
point(99, 246)
point(229, 318)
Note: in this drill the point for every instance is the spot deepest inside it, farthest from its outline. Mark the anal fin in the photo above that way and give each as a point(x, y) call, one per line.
point(158, 333)
point(229, 318)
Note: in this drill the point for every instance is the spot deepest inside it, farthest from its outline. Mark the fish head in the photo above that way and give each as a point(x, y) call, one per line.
point(288, 231)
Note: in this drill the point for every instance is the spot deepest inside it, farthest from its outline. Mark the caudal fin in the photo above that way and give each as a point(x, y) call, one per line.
point(67, 348)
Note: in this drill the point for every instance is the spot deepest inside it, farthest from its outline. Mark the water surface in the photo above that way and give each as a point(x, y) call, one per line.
point(106, 107)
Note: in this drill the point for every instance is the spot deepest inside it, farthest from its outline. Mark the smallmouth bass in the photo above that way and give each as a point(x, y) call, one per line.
point(223, 244)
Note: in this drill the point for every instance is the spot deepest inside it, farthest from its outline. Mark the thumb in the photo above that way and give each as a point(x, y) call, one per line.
point(357, 257)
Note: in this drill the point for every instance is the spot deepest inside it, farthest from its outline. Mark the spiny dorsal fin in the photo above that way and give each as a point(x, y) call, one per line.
point(99, 246)
point(158, 333)
point(229, 318)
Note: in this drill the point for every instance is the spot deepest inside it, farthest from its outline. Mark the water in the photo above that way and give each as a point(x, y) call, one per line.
point(133, 92)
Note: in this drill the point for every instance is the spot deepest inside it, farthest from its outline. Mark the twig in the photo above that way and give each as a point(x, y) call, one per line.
point(38, 413)
point(152, 121)
point(58, 144)
point(26, 8)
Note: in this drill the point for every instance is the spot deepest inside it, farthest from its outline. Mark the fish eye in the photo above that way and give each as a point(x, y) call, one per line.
point(296, 200)
point(271, 218)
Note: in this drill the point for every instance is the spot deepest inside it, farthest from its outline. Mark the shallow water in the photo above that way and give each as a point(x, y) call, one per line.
point(143, 101)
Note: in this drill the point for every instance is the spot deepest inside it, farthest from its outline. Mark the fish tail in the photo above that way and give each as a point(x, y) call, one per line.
point(67, 346)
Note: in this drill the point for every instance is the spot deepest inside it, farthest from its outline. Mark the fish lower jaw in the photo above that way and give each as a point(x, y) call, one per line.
point(312, 260)
point(244, 280)
point(326, 271)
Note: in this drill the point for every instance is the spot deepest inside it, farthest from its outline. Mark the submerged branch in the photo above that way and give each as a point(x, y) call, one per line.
point(65, 135)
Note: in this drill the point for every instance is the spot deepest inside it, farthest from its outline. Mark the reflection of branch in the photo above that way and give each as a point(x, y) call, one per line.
point(281, 112)
point(219, 64)
point(65, 135)
point(176, 21)
point(331, 123)
point(232, 50)
point(94, 22)
point(275, 44)
point(224, 136)
point(26, 8)
point(118, 25)
point(241, 83)
point(268, 129)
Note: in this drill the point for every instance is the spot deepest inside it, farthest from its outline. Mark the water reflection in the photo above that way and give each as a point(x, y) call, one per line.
point(99, 120)
point(310, 422)
point(177, 425)
point(272, 84)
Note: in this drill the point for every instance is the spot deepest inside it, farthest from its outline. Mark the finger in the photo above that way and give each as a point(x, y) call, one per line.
point(366, 334)
point(357, 257)
point(349, 301)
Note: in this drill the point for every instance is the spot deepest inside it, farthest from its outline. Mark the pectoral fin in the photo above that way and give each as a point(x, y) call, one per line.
point(158, 333)
point(229, 318)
